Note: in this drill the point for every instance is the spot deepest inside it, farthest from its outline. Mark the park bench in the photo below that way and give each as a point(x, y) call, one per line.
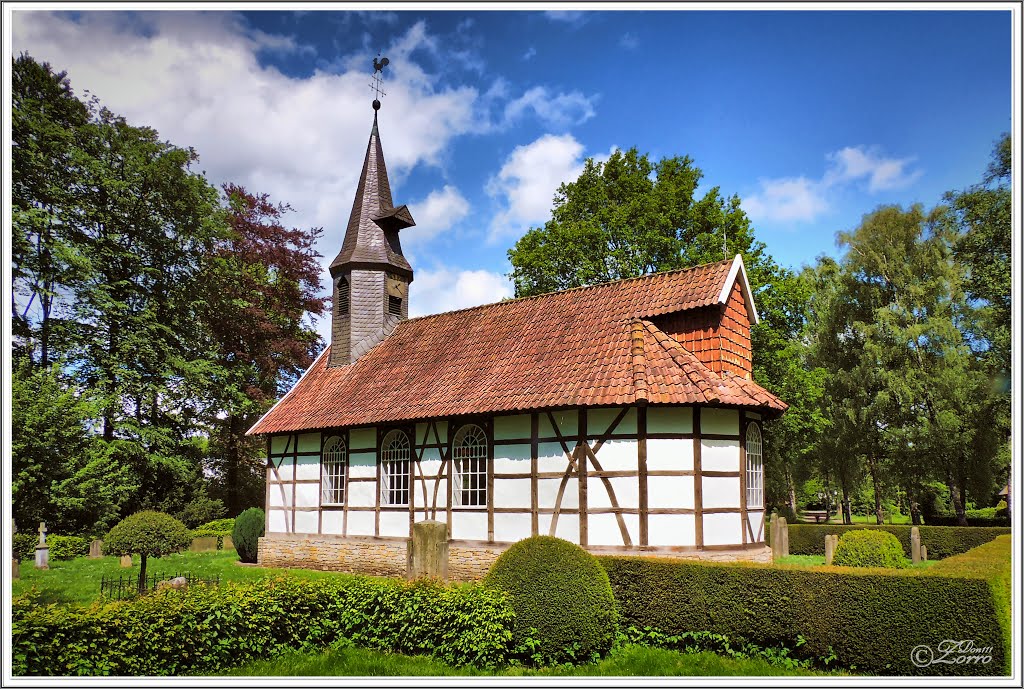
point(817, 515)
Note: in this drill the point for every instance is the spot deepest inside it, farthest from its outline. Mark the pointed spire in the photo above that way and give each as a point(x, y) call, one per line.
point(371, 238)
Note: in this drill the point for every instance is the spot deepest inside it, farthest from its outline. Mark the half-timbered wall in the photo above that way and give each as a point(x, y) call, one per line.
point(627, 478)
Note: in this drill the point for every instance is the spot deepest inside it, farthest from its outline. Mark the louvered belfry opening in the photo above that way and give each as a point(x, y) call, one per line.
point(371, 272)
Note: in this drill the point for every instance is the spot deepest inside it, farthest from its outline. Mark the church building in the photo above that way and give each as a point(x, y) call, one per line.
point(620, 416)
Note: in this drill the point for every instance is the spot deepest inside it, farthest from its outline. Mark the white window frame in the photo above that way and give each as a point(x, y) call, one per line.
point(755, 467)
point(469, 467)
point(395, 468)
point(333, 471)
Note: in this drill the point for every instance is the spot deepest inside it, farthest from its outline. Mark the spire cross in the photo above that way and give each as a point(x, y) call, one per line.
point(376, 84)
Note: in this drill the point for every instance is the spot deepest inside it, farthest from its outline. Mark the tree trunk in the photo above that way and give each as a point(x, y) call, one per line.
point(873, 469)
point(142, 574)
point(955, 494)
point(847, 512)
point(792, 491)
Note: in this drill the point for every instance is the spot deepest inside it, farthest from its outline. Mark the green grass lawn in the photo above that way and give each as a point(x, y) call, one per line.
point(629, 661)
point(819, 561)
point(78, 580)
point(865, 519)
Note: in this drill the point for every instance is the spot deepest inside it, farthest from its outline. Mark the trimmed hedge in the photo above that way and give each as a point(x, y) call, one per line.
point(869, 548)
point(870, 619)
point(61, 547)
point(561, 597)
point(941, 541)
point(972, 521)
point(218, 528)
point(203, 629)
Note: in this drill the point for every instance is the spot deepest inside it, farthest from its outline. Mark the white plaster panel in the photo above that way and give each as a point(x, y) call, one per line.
point(276, 499)
point(506, 427)
point(431, 454)
point(429, 467)
point(309, 442)
point(670, 492)
point(551, 457)
point(722, 529)
point(722, 421)
point(307, 494)
point(509, 528)
point(670, 419)
point(568, 424)
point(278, 521)
point(512, 492)
point(669, 454)
point(598, 421)
point(670, 529)
point(285, 471)
point(719, 455)
point(721, 491)
point(603, 529)
point(568, 528)
point(332, 521)
point(308, 468)
point(617, 455)
point(755, 524)
point(625, 489)
point(362, 494)
point(509, 459)
point(360, 524)
point(362, 466)
point(469, 526)
point(363, 438)
point(547, 493)
point(394, 524)
point(279, 443)
point(306, 522)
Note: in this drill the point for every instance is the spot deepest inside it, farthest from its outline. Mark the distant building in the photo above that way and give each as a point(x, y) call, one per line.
point(620, 416)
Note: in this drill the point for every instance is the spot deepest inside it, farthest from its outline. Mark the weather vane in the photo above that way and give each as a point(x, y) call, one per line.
point(378, 74)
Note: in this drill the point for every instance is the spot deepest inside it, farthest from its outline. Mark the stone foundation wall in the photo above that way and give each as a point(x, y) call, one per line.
point(382, 557)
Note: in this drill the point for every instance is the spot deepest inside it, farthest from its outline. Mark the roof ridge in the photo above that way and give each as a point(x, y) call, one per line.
point(639, 360)
point(691, 366)
point(515, 300)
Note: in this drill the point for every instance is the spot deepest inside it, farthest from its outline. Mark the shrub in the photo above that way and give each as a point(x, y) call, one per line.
point(67, 547)
point(561, 596)
point(941, 541)
point(201, 509)
point(869, 619)
point(248, 528)
point(24, 545)
point(150, 534)
point(201, 630)
point(866, 548)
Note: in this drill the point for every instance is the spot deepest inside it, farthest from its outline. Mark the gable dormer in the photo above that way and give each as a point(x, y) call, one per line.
point(719, 333)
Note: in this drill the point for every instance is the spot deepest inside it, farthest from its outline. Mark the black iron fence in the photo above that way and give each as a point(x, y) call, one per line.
point(126, 586)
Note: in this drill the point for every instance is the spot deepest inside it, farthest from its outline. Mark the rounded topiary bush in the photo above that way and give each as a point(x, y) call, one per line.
point(869, 548)
point(560, 590)
point(148, 533)
point(245, 534)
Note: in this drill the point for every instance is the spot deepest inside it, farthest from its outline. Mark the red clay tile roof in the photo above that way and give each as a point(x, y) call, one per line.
point(588, 346)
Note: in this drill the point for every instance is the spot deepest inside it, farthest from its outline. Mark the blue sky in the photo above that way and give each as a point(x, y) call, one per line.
point(813, 118)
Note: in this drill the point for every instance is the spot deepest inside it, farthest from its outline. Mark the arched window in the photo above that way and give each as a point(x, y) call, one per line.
point(343, 296)
point(755, 468)
point(469, 477)
point(333, 461)
point(395, 469)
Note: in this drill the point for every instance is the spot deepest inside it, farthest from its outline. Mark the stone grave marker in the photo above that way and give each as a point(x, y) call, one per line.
point(776, 541)
point(42, 550)
point(428, 551)
point(784, 536)
point(915, 545)
point(203, 544)
point(831, 541)
point(96, 549)
point(924, 553)
point(126, 560)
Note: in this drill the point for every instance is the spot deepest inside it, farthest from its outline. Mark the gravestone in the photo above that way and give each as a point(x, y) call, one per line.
point(915, 545)
point(42, 550)
point(96, 549)
point(126, 560)
point(831, 541)
point(428, 551)
point(227, 543)
point(784, 536)
point(203, 544)
point(776, 541)
point(924, 553)
point(15, 564)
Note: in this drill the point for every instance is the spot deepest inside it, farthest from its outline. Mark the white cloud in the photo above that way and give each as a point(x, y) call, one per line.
point(556, 110)
point(800, 199)
point(629, 41)
point(528, 179)
point(574, 18)
point(195, 77)
point(444, 289)
point(795, 199)
point(857, 163)
point(530, 52)
point(441, 210)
